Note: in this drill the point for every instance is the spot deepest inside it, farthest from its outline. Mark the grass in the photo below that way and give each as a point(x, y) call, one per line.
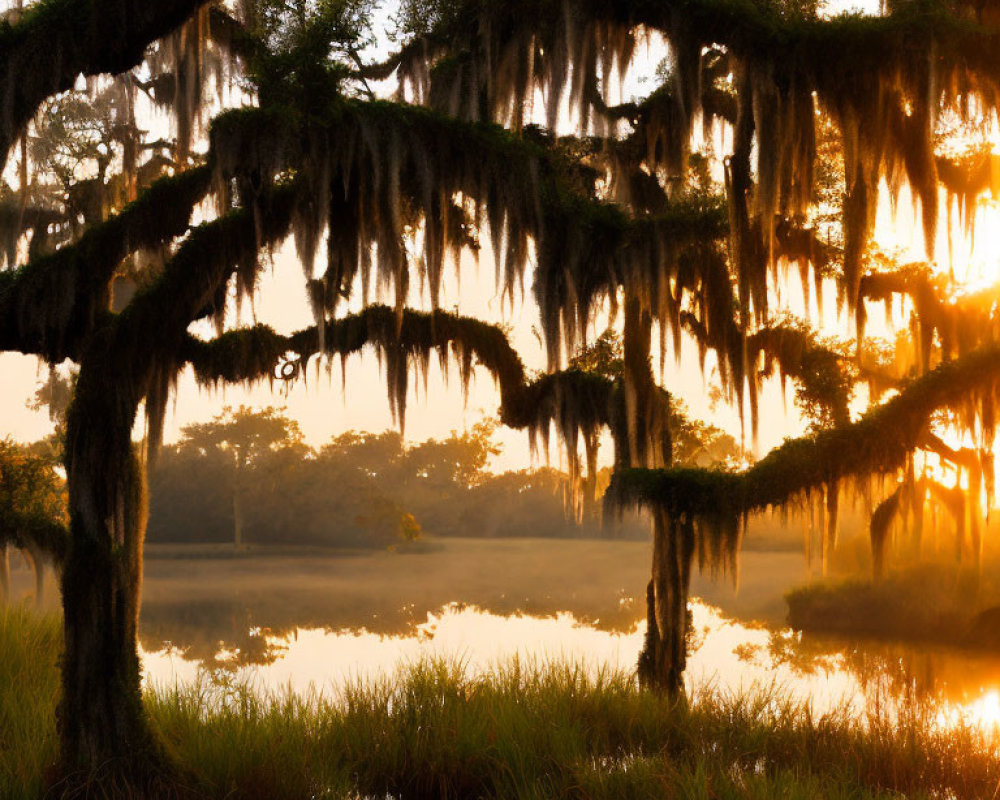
point(29, 684)
point(520, 731)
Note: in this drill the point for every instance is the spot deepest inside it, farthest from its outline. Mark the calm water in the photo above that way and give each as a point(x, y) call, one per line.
point(726, 654)
point(312, 621)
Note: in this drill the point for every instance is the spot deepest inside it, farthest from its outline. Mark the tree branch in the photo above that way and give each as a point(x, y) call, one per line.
point(876, 444)
point(56, 41)
point(48, 305)
point(578, 403)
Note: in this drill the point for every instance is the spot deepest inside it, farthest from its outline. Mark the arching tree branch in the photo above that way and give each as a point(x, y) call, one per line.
point(876, 444)
point(56, 41)
point(48, 305)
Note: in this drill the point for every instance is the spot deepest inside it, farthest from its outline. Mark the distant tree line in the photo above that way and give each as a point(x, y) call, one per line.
point(247, 477)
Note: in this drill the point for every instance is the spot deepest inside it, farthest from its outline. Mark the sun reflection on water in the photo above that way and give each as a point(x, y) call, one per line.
point(947, 689)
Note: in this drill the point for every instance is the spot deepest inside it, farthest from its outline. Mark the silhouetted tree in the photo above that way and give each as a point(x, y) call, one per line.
point(610, 217)
point(245, 436)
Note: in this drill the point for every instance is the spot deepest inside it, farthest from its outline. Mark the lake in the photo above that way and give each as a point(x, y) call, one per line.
point(310, 620)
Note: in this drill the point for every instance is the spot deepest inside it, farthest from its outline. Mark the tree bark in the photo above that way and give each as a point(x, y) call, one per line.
point(664, 654)
point(105, 736)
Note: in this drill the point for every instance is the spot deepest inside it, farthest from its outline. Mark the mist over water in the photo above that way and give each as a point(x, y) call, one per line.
point(309, 621)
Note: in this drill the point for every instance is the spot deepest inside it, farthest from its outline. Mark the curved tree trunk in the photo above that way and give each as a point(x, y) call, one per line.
point(104, 732)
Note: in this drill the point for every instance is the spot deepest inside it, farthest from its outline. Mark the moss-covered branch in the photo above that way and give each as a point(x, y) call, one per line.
point(55, 41)
point(577, 403)
point(48, 305)
point(28, 531)
point(190, 286)
point(878, 443)
point(259, 353)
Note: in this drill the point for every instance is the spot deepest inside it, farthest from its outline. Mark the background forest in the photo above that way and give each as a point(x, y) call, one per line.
point(371, 490)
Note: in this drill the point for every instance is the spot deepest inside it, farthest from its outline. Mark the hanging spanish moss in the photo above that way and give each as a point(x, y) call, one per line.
point(966, 178)
point(185, 65)
point(976, 465)
point(946, 323)
point(50, 301)
point(389, 166)
point(575, 403)
point(877, 444)
point(487, 62)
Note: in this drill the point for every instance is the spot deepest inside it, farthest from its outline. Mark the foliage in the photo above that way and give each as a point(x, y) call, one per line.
point(32, 501)
point(359, 490)
point(244, 434)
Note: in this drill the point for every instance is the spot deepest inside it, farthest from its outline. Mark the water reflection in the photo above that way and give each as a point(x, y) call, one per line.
point(317, 619)
point(727, 655)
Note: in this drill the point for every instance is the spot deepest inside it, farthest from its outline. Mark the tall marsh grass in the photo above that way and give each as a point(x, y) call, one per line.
point(520, 731)
point(29, 686)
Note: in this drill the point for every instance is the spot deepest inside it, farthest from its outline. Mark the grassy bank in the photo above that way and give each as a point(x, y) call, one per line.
point(519, 732)
point(930, 602)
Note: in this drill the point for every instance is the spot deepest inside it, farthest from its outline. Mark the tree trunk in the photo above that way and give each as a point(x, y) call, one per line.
point(238, 507)
point(107, 745)
point(664, 654)
point(37, 558)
